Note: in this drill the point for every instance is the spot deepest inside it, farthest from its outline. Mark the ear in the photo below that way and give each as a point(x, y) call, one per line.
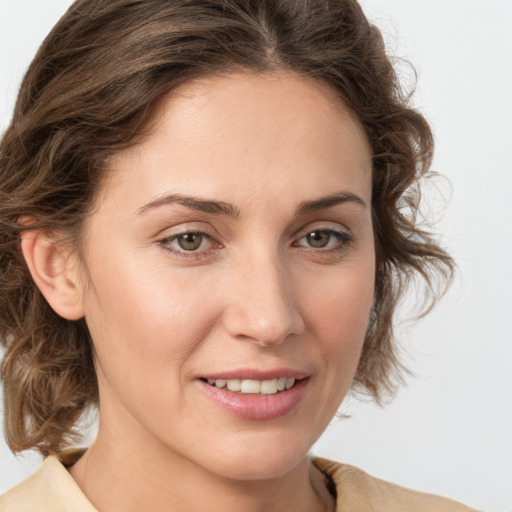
point(54, 269)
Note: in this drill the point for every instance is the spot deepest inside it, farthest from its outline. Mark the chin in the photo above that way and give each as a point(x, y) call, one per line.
point(259, 458)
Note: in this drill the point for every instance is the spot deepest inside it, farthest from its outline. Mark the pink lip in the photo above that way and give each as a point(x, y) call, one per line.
point(256, 407)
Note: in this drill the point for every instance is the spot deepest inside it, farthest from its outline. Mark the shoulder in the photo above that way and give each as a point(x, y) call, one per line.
point(50, 489)
point(359, 491)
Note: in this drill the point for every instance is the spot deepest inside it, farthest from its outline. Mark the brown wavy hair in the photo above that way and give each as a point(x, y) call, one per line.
point(91, 90)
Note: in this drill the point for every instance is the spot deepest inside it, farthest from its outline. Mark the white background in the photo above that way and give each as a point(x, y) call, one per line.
point(449, 431)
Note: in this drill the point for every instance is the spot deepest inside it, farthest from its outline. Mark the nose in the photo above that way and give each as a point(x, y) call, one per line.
point(263, 304)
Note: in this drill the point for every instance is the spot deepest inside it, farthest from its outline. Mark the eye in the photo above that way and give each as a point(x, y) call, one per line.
point(191, 244)
point(327, 239)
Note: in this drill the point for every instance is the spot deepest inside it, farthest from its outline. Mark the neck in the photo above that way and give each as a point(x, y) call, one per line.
point(131, 475)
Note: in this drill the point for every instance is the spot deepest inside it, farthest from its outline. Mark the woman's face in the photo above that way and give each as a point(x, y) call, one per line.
point(232, 247)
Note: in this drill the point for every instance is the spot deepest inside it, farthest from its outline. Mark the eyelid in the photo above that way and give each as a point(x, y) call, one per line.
point(187, 227)
point(323, 226)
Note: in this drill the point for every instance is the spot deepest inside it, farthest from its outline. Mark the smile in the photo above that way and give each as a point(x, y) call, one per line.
point(254, 399)
point(254, 387)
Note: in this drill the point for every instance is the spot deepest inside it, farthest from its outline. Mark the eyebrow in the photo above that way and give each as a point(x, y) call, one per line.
point(326, 202)
point(223, 208)
point(195, 203)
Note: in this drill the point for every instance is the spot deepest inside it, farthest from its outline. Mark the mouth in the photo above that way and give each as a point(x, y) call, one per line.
point(275, 394)
point(254, 387)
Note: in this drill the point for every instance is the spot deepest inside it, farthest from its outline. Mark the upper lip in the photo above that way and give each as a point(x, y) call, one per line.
point(256, 374)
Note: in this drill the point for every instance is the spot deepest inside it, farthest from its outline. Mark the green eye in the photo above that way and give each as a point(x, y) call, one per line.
point(194, 245)
point(318, 239)
point(190, 241)
point(325, 240)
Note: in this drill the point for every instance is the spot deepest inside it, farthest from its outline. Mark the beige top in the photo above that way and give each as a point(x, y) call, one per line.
point(52, 489)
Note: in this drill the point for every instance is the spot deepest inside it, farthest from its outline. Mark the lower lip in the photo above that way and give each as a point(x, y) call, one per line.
point(257, 406)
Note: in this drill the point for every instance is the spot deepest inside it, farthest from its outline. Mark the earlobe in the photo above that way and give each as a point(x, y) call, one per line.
point(55, 272)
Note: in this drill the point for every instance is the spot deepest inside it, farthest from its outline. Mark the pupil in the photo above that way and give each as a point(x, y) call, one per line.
point(190, 241)
point(318, 238)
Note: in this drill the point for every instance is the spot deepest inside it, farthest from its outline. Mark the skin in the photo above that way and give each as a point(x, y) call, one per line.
point(254, 294)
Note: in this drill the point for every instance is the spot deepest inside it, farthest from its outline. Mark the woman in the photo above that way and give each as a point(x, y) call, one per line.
point(208, 216)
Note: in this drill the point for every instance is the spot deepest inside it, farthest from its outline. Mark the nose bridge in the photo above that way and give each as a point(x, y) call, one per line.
point(263, 306)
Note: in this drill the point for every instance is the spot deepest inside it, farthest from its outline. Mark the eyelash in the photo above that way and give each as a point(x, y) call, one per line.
point(343, 237)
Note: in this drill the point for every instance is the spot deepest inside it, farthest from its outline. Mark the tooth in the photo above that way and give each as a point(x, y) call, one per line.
point(220, 383)
point(289, 382)
point(266, 387)
point(233, 384)
point(269, 387)
point(250, 386)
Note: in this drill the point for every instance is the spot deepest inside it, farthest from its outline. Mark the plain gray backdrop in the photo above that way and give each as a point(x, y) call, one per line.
point(449, 431)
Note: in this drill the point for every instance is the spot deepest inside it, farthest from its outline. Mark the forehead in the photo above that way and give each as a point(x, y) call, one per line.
point(248, 131)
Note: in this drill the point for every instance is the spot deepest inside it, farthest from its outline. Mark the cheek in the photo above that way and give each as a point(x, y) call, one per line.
point(338, 309)
point(141, 320)
point(337, 306)
point(145, 332)
point(340, 302)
